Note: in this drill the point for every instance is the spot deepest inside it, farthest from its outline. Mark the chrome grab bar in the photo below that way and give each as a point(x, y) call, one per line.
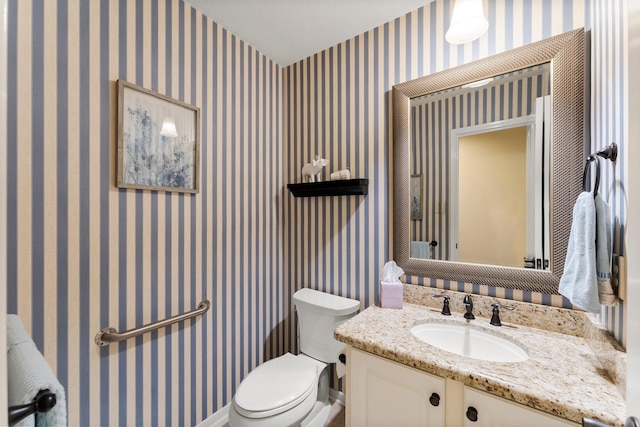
point(109, 335)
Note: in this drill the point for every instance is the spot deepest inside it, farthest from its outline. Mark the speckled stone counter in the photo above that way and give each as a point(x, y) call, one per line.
point(563, 376)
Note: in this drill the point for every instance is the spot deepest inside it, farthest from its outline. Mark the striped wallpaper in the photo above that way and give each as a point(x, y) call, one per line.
point(430, 121)
point(338, 104)
point(608, 96)
point(84, 255)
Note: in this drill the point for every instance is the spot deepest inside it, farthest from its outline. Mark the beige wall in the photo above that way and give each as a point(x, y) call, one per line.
point(492, 197)
point(633, 245)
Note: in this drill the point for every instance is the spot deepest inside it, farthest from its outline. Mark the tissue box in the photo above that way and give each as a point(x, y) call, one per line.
point(390, 294)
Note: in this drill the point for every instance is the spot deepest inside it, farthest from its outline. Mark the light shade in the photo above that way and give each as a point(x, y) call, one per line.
point(479, 83)
point(467, 22)
point(169, 127)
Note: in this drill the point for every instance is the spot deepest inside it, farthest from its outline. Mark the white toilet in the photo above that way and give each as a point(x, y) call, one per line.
point(294, 390)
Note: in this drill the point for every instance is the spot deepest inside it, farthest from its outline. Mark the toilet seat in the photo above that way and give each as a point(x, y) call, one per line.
point(277, 386)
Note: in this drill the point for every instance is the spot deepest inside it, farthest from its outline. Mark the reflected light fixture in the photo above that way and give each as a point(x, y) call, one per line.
point(467, 22)
point(478, 83)
point(169, 127)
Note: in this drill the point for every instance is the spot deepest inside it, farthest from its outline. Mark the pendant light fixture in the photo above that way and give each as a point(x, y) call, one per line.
point(467, 22)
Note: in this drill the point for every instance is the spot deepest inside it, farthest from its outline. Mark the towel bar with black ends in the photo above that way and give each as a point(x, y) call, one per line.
point(108, 335)
point(44, 401)
point(609, 152)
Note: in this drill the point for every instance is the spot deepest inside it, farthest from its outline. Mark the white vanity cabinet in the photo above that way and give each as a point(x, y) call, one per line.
point(382, 392)
point(385, 393)
point(493, 411)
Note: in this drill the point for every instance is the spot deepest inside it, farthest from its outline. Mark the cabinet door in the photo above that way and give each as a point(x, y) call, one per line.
point(385, 393)
point(492, 411)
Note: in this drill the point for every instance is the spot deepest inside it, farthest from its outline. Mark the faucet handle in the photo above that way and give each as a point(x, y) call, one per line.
point(445, 305)
point(506, 307)
point(495, 317)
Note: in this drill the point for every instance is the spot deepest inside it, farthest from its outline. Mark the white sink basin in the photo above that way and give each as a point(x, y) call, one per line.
point(467, 341)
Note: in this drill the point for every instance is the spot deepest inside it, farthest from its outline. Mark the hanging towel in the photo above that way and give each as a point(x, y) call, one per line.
point(420, 249)
point(579, 281)
point(28, 373)
point(606, 293)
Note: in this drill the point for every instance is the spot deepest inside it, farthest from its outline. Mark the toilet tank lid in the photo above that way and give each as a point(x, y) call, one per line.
point(323, 302)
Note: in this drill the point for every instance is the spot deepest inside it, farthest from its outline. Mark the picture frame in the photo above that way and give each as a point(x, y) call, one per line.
point(158, 141)
point(415, 197)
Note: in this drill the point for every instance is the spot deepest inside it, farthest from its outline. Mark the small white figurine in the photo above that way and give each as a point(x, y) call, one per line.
point(341, 174)
point(312, 170)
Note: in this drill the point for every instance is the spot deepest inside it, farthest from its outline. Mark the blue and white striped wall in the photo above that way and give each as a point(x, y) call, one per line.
point(84, 255)
point(338, 106)
point(609, 94)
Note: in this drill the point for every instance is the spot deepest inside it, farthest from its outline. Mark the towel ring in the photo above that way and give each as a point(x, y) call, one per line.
point(610, 152)
point(590, 159)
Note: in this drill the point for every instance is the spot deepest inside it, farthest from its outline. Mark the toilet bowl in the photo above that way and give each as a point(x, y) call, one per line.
point(293, 390)
point(280, 392)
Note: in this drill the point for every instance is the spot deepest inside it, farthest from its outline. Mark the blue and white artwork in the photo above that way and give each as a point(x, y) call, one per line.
point(152, 157)
point(415, 194)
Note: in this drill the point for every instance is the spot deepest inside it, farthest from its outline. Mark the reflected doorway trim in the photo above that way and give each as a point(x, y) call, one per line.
point(454, 207)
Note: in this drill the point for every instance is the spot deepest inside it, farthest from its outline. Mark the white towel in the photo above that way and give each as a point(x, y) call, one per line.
point(28, 373)
point(578, 282)
point(606, 293)
point(420, 249)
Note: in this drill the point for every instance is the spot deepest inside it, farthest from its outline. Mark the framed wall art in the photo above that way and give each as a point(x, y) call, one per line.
point(415, 185)
point(158, 141)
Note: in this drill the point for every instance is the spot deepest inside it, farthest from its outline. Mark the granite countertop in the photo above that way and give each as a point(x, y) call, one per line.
point(562, 377)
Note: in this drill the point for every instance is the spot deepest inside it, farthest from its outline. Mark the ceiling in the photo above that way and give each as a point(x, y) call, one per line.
point(290, 30)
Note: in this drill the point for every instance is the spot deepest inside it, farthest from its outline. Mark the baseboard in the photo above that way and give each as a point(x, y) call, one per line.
point(217, 419)
point(337, 396)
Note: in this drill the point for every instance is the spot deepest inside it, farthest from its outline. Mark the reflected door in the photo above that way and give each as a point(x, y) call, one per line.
point(492, 203)
point(500, 192)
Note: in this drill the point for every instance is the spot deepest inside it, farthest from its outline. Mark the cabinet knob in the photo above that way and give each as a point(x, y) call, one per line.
point(472, 414)
point(434, 399)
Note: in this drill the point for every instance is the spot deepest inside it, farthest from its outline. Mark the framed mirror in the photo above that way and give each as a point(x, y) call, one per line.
point(559, 144)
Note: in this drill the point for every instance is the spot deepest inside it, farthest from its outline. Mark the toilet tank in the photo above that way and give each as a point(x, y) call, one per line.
point(319, 313)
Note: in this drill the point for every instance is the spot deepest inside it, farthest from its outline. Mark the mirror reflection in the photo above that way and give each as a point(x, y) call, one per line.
point(479, 164)
point(506, 103)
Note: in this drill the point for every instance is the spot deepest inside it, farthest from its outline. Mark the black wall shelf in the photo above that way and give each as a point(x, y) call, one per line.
point(344, 187)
